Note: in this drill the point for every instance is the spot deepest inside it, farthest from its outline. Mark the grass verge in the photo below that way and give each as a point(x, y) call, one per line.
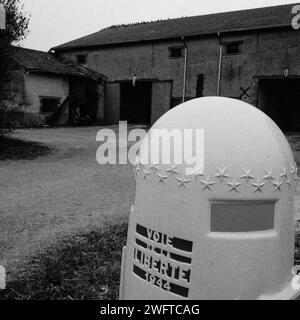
point(85, 267)
point(14, 149)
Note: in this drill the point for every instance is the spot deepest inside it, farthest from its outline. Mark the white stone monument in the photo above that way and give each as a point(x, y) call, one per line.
point(2, 17)
point(224, 231)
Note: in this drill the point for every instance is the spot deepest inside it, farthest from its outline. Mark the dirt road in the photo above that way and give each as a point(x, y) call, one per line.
point(43, 199)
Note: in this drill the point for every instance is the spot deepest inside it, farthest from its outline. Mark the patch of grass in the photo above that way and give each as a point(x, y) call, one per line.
point(85, 267)
point(14, 149)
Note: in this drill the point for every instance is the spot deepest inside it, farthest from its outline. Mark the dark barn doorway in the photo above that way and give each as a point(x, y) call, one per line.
point(280, 100)
point(83, 101)
point(135, 105)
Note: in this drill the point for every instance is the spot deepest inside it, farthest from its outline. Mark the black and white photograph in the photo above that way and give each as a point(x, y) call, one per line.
point(149, 151)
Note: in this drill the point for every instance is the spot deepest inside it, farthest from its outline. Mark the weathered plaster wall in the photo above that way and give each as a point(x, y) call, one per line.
point(263, 54)
point(44, 85)
point(112, 103)
point(26, 89)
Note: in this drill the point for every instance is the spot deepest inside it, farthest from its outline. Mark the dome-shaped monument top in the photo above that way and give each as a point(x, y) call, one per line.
point(213, 214)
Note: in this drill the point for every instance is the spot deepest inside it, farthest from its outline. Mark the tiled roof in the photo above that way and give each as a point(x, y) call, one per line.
point(261, 18)
point(44, 62)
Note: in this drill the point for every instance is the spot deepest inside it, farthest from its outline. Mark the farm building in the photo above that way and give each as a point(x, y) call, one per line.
point(44, 89)
point(252, 55)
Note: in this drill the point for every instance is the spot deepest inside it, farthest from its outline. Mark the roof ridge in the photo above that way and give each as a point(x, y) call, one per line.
point(116, 26)
point(228, 21)
point(130, 24)
point(29, 49)
point(73, 64)
point(47, 62)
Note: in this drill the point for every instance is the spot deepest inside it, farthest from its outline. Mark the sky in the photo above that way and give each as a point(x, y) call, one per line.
point(54, 22)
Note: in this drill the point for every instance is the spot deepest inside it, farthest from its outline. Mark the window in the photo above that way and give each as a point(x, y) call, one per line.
point(242, 216)
point(176, 52)
point(81, 59)
point(49, 104)
point(233, 47)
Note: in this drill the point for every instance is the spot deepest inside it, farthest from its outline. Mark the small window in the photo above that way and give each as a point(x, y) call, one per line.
point(176, 52)
point(81, 59)
point(233, 47)
point(49, 104)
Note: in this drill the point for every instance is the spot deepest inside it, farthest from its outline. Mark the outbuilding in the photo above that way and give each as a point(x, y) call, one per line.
point(44, 89)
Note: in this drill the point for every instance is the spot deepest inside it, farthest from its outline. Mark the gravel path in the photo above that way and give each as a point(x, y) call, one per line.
point(68, 191)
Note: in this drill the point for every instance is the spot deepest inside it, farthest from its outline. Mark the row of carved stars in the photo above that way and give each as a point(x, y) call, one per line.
point(222, 174)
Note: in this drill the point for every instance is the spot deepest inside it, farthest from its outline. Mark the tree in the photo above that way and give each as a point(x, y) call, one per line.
point(17, 22)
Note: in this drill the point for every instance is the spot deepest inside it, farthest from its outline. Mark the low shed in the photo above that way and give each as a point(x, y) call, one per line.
point(45, 89)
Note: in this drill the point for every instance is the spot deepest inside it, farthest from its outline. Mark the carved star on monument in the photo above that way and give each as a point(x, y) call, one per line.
point(283, 173)
point(293, 170)
point(247, 175)
point(258, 185)
point(269, 177)
point(155, 167)
point(277, 184)
point(207, 184)
point(162, 178)
point(234, 186)
point(183, 182)
point(222, 174)
point(197, 172)
point(172, 170)
point(289, 182)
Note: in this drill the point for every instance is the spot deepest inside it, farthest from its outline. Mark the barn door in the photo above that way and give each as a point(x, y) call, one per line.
point(161, 99)
point(112, 103)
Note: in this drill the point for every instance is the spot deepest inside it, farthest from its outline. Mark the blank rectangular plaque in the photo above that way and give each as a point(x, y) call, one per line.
point(242, 216)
